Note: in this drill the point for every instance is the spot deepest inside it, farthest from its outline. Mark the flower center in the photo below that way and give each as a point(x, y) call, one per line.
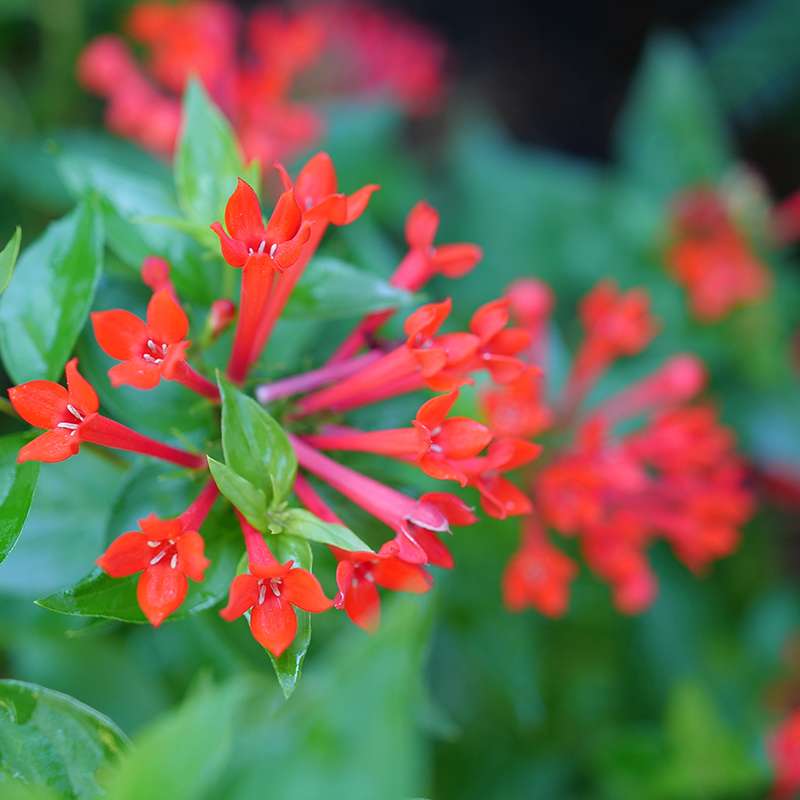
point(76, 415)
point(155, 352)
point(274, 585)
point(165, 547)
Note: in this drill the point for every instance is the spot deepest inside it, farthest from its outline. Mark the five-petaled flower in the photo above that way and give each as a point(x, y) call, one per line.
point(149, 351)
point(270, 592)
point(248, 240)
point(166, 553)
point(63, 412)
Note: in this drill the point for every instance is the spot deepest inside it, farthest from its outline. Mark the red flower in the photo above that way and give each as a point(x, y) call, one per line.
point(316, 192)
point(538, 575)
point(434, 442)
point(166, 552)
point(149, 351)
point(499, 345)
point(712, 259)
point(517, 408)
point(64, 412)
point(71, 417)
point(360, 573)
point(271, 592)
point(248, 240)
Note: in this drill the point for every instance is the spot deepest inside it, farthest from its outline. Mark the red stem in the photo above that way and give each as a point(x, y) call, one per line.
point(257, 279)
point(108, 433)
point(258, 553)
point(195, 515)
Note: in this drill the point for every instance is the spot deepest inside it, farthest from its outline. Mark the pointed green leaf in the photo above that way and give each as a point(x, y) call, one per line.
point(289, 666)
point(17, 482)
point(250, 501)
point(255, 446)
point(50, 739)
point(671, 133)
point(302, 523)
point(48, 299)
point(8, 258)
point(333, 289)
point(208, 160)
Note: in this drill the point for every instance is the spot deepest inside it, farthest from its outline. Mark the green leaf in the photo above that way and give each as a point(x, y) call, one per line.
point(252, 502)
point(8, 258)
point(333, 289)
point(302, 523)
point(671, 134)
point(208, 160)
point(146, 491)
point(182, 753)
point(17, 482)
point(50, 739)
point(255, 446)
point(289, 666)
point(46, 304)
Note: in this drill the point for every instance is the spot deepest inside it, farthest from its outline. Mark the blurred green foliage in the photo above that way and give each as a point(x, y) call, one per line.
point(454, 697)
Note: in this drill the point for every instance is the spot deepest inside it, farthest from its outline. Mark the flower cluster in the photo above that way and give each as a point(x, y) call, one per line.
point(270, 258)
point(712, 258)
point(649, 462)
point(331, 48)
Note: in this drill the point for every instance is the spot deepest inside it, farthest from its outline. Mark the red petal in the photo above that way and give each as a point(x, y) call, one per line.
point(430, 361)
point(453, 507)
point(127, 555)
point(303, 590)
point(490, 319)
point(243, 596)
point(510, 453)
point(398, 576)
point(233, 251)
point(426, 320)
point(462, 437)
point(191, 558)
point(160, 591)
point(159, 529)
point(456, 260)
point(504, 369)
point(243, 215)
point(510, 341)
point(137, 372)
point(357, 203)
point(285, 220)
point(50, 447)
point(437, 553)
point(437, 467)
point(287, 253)
point(166, 318)
point(362, 604)
point(273, 623)
point(316, 180)
point(459, 347)
point(81, 393)
point(42, 404)
point(501, 498)
point(119, 333)
point(432, 413)
point(421, 225)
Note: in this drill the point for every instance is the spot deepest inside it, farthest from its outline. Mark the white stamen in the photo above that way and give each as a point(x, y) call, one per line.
point(153, 543)
point(436, 448)
point(309, 203)
point(173, 562)
point(147, 357)
point(74, 411)
point(436, 431)
point(70, 426)
point(152, 346)
point(273, 250)
point(262, 593)
point(262, 247)
point(275, 585)
point(155, 559)
point(163, 349)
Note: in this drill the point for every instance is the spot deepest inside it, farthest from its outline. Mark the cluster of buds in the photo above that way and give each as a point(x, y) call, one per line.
point(334, 49)
point(271, 257)
point(712, 258)
point(649, 462)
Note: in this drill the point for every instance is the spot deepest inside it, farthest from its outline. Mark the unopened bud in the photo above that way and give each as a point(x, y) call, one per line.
point(531, 301)
point(221, 316)
point(155, 273)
